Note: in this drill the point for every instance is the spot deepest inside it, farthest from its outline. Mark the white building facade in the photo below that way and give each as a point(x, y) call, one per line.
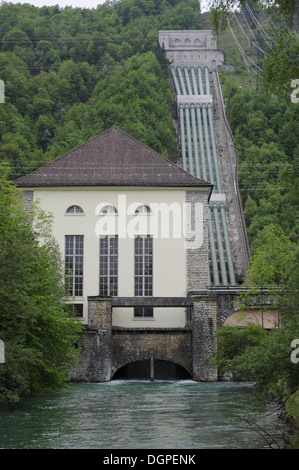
point(129, 223)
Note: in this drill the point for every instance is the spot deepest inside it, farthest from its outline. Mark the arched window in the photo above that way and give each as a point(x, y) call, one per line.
point(143, 209)
point(108, 209)
point(74, 210)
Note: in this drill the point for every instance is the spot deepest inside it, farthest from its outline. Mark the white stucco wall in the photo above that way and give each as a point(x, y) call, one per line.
point(169, 254)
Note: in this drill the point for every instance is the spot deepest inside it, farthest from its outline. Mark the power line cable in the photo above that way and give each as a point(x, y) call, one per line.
point(261, 30)
point(247, 23)
point(244, 55)
point(250, 42)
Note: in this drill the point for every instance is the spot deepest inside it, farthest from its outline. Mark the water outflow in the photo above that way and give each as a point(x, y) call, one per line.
point(152, 369)
point(199, 157)
point(140, 415)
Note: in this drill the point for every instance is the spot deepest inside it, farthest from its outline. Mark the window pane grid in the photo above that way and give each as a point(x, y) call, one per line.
point(142, 312)
point(144, 266)
point(74, 265)
point(74, 210)
point(108, 284)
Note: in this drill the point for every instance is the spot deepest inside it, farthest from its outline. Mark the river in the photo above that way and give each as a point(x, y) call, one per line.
point(139, 415)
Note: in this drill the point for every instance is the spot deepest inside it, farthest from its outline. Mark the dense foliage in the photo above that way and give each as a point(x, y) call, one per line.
point(266, 133)
point(252, 353)
point(70, 74)
point(37, 330)
point(280, 64)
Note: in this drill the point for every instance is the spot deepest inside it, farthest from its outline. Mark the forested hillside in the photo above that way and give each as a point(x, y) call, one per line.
point(70, 74)
point(266, 133)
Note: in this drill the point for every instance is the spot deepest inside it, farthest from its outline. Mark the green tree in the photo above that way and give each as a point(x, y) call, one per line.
point(45, 54)
point(15, 37)
point(269, 269)
point(37, 330)
point(280, 66)
point(45, 127)
point(251, 353)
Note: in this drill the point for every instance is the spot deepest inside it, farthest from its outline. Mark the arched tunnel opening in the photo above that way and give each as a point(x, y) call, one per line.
point(152, 370)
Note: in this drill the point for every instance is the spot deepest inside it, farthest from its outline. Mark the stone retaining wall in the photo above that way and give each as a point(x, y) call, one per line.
point(166, 345)
point(104, 350)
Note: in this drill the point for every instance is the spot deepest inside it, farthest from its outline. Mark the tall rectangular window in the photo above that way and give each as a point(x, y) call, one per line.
point(143, 272)
point(108, 265)
point(74, 252)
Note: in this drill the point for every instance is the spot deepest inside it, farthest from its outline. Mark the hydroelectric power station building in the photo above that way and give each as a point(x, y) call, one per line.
point(154, 252)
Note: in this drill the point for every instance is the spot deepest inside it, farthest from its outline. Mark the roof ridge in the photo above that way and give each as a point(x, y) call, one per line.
point(119, 159)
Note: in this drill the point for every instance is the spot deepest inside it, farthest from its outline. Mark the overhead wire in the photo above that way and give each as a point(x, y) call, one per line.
point(260, 28)
point(250, 42)
point(242, 52)
point(245, 19)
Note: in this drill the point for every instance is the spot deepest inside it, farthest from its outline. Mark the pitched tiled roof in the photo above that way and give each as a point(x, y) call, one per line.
point(112, 158)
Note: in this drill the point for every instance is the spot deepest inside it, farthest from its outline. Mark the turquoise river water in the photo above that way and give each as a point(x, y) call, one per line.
point(140, 415)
